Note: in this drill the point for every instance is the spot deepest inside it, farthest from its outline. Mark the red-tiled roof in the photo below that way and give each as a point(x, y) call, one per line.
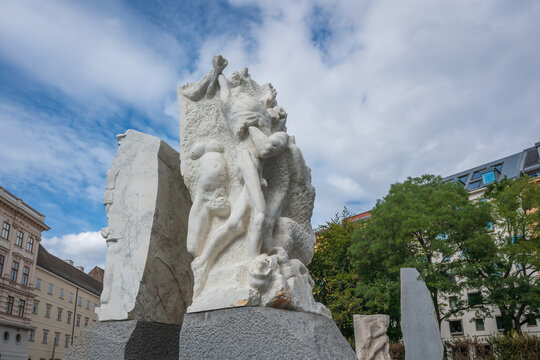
point(97, 273)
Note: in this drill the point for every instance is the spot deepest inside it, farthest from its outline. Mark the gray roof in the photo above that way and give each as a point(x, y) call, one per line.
point(526, 161)
point(69, 272)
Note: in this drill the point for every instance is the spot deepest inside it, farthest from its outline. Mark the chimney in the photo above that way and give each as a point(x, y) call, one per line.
point(80, 268)
point(70, 262)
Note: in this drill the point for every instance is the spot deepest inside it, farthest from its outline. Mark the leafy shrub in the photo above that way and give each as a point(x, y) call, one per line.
point(515, 346)
point(466, 348)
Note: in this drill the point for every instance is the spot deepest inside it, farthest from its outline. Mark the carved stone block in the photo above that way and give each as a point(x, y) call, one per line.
point(147, 268)
point(370, 337)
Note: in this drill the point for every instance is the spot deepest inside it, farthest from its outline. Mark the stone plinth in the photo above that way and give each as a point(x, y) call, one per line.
point(134, 340)
point(261, 333)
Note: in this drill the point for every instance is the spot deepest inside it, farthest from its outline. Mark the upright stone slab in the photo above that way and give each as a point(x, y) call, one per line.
point(147, 267)
point(261, 333)
point(418, 319)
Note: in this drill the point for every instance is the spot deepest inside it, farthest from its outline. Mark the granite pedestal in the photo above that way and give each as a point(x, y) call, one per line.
point(134, 340)
point(261, 333)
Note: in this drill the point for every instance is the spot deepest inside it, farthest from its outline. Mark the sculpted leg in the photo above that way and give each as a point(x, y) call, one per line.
point(252, 183)
point(198, 224)
point(219, 240)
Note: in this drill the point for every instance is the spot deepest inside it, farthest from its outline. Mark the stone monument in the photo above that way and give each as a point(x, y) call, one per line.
point(370, 337)
point(250, 225)
point(224, 255)
point(418, 321)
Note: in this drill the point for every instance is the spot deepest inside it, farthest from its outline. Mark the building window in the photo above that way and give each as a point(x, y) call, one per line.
point(31, 335)
point(61, 293)
point(36, 307)
point(456, 327)
point(477, 174)
point(19, 239)
point(25, 275)
point(48, 311)
point(59, 317)
point(9, 305)
point(531, 320)
point(66, 343)
point(78, 322)
point(30, 244)
point(69, 317)
point(56, 338)
point(38, 283)
point(71, 297)
point(479, 323)
point(14, 271)
point(22, 304)
point(50, 289)
point(86, 321)
point(45, 336)
point(80, 300)
point(463, 178)
point(488, 177)
point(453, 301)
point(474, 185)
point(2, 259)
point(87, 304)
point(5, 231)
point(498, 320)
point(474, 299)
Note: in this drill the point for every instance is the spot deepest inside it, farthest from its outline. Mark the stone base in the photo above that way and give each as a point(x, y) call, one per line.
point(115, 340)
point(261, 333)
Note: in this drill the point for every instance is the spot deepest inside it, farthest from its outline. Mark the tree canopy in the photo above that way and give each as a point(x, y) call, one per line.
point(415, 225)
point(490, 245)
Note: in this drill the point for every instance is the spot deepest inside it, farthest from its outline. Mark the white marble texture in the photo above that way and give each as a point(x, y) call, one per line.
point(370, 337)
point(147, 267)
point(250, 225)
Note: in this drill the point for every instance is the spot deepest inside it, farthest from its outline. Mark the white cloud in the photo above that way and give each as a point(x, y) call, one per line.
point(86, 249)
point(88, 54)
point(38, 150)
point(400, 89)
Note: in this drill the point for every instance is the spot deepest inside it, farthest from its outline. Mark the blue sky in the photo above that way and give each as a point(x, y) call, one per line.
point(375, 91)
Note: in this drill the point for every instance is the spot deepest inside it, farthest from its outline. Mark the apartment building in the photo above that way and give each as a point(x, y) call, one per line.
point(476, 180)
point(19, 240)
point(64, 304)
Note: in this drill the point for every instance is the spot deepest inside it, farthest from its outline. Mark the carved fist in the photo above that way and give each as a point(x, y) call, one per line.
point(219, 63)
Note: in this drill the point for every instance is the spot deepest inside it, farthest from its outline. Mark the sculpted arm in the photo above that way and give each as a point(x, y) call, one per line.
point(268, 146)
point(225, 92)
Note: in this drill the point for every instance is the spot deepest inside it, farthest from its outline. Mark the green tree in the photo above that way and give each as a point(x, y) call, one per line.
point(506, 264)
point(333, 274)
point(416, 225)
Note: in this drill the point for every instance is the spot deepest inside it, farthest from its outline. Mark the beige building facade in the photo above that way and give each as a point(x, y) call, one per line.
point(20, 234)
point(64, 304)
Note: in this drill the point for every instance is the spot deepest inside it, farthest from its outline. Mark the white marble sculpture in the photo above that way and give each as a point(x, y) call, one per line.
point(147, 267)
point(371, 340)
point(250, 224)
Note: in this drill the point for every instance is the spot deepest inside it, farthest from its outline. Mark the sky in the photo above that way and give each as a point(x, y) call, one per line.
point(375, 91)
